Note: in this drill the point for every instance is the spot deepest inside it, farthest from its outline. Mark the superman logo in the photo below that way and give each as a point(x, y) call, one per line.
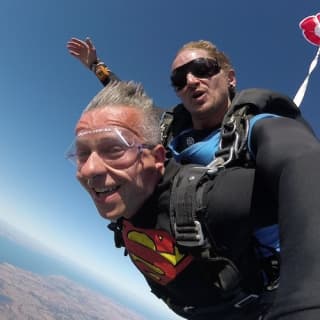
point(154, 253)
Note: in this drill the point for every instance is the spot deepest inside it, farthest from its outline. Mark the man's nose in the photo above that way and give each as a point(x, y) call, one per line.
point(93, 166)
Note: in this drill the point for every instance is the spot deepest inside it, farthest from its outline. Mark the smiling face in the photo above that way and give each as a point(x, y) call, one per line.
point(207, 99)
point(117, 191)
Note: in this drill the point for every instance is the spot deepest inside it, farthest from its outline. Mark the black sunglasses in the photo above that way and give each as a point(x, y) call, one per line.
point(200, 68)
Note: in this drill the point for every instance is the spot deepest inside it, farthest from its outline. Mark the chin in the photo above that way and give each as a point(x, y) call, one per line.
point(109, 214)
point(112, 216)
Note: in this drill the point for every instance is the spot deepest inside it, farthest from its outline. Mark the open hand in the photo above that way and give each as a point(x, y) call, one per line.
point(83, 50)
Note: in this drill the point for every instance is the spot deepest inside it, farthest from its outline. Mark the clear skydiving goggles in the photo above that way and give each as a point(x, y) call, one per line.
point(116, 146)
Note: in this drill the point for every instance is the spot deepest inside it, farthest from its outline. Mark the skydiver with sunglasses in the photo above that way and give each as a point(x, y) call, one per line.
point(286, 158)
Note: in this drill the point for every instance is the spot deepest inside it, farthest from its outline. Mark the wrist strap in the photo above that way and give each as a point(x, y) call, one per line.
point(102, 71)
point(94, 64)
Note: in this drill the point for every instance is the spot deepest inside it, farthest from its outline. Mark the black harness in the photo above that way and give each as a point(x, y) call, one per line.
point(188, 202)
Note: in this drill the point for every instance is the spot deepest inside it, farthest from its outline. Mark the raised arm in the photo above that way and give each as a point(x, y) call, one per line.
point(85, 52)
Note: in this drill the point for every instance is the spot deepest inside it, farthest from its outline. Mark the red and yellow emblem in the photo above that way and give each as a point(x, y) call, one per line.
point(154, 253)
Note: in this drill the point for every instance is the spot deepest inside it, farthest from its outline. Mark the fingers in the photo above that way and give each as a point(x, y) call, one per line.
point(75, 51)
point(84, 50)
point(89, 43)
point(76, 45)
point(77, 41)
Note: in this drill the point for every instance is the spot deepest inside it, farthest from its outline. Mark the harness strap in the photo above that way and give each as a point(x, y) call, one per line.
point(234, 136)
point(241, 307)
point(165, 126)
point(187, 206)
point(116, 227)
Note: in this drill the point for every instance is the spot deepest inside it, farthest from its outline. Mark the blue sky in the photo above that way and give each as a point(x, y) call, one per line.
point(43, 90)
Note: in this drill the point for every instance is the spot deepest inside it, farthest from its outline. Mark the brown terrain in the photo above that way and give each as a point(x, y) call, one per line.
point(28, 296)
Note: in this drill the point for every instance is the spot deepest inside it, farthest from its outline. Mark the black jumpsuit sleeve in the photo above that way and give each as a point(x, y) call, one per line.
point(104, 74)
point(106, 80)
point(288, 158)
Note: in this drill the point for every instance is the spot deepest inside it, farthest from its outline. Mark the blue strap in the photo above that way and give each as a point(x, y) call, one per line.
point(252, 123)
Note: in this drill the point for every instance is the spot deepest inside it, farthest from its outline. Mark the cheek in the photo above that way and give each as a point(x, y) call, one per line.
point(218, 89)
point(221, 83)
point(181, 93)
point(82, 181)
point(144, 185)
point(142, 179)
point(137, 179)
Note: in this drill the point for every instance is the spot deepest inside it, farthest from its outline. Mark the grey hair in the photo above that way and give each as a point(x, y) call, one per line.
point(130, 94)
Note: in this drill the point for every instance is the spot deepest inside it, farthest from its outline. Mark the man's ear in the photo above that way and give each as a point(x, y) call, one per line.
point(159, 153)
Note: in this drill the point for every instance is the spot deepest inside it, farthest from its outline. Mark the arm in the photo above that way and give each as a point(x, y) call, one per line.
point(288, 157)
point(86, 53)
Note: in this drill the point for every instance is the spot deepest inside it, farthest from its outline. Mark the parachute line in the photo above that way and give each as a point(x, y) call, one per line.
point(303, 88)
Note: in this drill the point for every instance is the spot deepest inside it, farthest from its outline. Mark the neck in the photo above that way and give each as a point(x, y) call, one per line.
point(208, 121)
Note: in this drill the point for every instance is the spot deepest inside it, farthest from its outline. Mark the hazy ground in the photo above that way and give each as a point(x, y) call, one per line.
point(28, 296)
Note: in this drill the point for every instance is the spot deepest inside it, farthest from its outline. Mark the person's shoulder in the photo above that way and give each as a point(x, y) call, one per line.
point(172, 167)
point(267, 101)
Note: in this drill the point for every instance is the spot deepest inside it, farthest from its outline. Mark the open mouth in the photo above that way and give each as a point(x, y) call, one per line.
point(103, 192)
point(197, 94)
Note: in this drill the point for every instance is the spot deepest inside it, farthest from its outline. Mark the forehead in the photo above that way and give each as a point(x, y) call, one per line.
point(188, 55)
point(121, 116)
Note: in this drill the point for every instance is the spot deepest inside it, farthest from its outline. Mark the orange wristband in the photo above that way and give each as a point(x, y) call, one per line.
point(102, 71)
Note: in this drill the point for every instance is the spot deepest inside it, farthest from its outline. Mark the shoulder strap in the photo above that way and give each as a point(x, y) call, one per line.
point(234, 136)
point(165, 126)
point(235, 125)
point(116, 227)
point(188, 207)
point(266, 101)
point(173, 122)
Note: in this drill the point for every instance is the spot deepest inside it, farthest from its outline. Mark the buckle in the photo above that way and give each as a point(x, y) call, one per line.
point(189, 236)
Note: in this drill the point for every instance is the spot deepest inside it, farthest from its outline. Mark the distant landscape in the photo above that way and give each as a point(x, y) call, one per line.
point(26, 295)
point(37, 286)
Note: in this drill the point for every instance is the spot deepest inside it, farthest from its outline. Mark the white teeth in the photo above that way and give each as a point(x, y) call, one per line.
point(105, 190)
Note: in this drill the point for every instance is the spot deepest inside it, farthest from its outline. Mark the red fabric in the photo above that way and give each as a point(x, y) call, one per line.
point(310, 27)
point(154, 253)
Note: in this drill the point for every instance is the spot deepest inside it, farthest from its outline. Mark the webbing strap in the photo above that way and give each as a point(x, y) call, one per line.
point(187, 214)
point(188, 207)
point(234, 136)
point(184, 206)
point(165, 126)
